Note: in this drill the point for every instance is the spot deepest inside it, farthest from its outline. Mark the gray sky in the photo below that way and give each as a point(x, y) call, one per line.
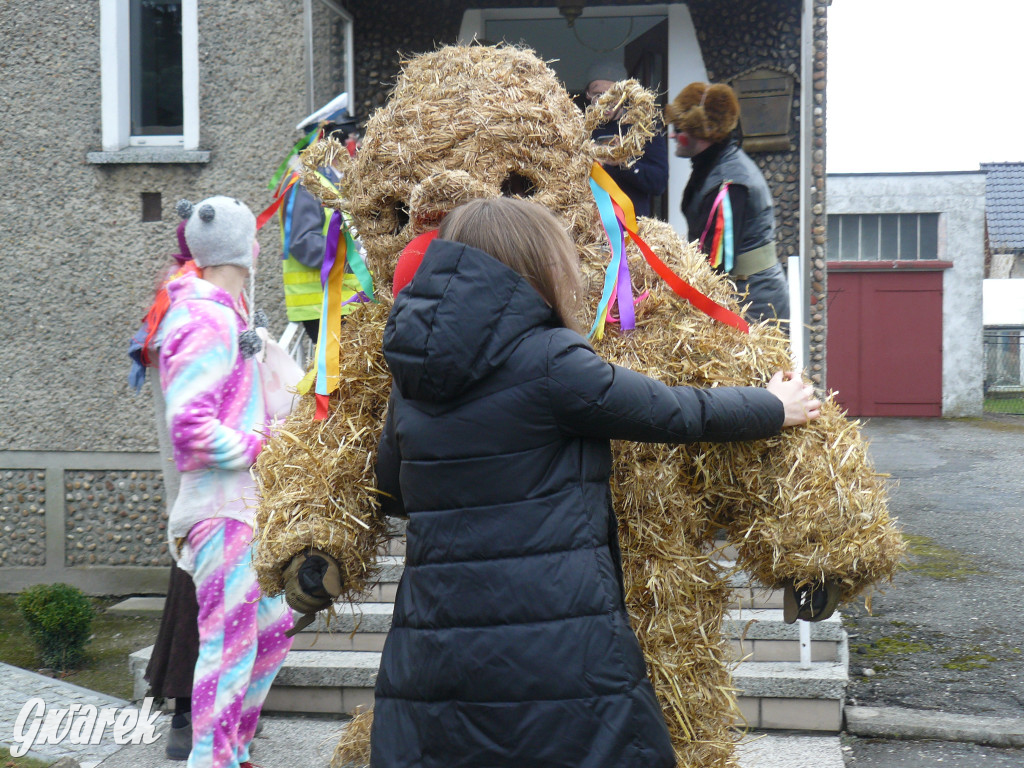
point(925, 85)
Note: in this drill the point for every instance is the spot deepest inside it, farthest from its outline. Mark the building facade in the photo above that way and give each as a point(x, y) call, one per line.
point(169, 99)
point(906, 265)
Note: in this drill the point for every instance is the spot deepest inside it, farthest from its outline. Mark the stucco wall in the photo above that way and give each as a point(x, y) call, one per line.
point(960, 199)
point(77, 263)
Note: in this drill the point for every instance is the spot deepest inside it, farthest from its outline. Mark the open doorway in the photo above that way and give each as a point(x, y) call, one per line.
point(571, 51)
point(657, 44)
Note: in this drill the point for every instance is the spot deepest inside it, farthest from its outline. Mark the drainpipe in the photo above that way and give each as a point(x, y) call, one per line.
point(799, 265)
point(307, 33)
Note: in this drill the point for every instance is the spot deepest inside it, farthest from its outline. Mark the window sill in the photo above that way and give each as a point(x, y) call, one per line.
point(922, 265)
point(149, 155)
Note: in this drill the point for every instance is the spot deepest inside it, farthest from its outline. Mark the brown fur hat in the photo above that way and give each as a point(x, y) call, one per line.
point(708, 112)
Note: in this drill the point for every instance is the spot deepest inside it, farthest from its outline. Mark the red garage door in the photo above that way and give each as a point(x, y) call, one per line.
point(884, 341)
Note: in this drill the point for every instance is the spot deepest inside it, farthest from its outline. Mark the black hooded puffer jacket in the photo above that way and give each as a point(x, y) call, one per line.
point(510, 644)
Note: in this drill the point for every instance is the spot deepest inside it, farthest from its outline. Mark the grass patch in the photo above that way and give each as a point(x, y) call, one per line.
point(969, 661)
point(1004, 405)
point(6, 761)
point(888, 646)
point(105, 667)
point(938, 562)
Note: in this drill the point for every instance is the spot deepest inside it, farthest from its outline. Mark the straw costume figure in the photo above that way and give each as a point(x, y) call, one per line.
point(805, 510)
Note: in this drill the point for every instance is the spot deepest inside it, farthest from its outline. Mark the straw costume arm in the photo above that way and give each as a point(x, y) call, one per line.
point(316, 478)
point(805, 506)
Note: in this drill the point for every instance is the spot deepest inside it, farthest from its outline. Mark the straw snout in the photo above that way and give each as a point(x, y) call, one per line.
point(630, 104)
point(439, 193)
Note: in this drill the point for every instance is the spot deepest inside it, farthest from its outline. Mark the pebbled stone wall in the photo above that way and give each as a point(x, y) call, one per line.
point(115, 518)
point(22, 518)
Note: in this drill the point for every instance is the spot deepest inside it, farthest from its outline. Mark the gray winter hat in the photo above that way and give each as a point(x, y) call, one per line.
point(612, 71)
point(219, 230)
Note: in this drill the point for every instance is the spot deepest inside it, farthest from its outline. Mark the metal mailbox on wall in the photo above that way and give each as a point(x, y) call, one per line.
point(766, 106)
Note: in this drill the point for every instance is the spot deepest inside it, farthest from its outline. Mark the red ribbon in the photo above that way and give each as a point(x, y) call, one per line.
point(410, 259)
point(681, 287)
point(323, 403)
point(271, 209)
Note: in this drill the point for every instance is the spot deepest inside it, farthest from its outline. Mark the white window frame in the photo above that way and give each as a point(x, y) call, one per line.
point(349, 24)
point(115, 64)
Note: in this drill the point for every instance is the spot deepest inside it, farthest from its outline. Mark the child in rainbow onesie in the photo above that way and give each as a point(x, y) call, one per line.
point(215, 405)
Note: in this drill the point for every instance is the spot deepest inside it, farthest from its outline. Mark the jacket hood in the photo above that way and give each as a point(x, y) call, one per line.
point(457, 321)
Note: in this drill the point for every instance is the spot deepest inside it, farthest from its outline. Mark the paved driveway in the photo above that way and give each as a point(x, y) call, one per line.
point(948, 633)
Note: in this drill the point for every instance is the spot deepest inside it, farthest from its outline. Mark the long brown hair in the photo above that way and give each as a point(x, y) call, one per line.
point(527, 238)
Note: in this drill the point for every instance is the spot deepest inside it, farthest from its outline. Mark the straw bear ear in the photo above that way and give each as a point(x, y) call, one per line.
point(184, 208)
point(206, 213)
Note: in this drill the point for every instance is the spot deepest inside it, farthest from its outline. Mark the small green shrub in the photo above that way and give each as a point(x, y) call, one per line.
point(59, 619)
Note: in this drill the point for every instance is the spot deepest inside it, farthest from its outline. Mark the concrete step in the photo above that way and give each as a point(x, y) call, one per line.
point(782, 695)
point(771, 694)
point(758, 635)
point(139, 606)
point(763, 636)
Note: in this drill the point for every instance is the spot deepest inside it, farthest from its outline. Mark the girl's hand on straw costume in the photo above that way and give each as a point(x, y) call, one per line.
point(797, 398)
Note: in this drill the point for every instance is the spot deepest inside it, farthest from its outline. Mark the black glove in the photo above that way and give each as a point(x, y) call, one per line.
point(811, 602)
point(312, 582)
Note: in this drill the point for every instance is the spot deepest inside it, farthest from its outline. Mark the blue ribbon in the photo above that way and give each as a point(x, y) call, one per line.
point(611, 224)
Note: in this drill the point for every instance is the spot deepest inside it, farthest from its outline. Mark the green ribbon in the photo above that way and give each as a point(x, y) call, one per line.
point(356, 263)
point(300, 145)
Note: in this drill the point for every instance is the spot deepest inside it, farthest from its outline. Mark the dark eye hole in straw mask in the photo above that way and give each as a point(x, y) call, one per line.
point(518, 185)
point(395, 213)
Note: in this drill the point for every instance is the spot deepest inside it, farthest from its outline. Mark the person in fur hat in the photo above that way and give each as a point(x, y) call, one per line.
point(727, 203)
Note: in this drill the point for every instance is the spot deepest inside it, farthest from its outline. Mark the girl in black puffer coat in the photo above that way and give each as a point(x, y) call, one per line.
point(510, 644)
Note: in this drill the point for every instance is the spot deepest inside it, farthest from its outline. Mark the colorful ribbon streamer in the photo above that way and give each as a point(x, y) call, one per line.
point(607, 195)
point(268, 213)
point(606, 211)
point(340, 249)
point(300, 145)
point(722, 251)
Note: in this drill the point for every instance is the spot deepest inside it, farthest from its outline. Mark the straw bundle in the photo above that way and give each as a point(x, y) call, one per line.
point(481, 121)
point(316, 478)
point(801, 506)
point(636, 107)
point(353, 748)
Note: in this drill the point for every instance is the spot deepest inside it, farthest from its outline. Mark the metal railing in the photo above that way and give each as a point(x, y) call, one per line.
point(297, 344)
point(1004, 370)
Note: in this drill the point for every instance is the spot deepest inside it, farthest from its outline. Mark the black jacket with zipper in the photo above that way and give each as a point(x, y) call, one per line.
point(510, 644)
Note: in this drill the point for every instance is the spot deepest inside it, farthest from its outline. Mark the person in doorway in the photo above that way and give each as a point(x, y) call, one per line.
point(727, 203)
point(510, 644)
point(215, 414)
point(304, 223)
point(649, 174)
